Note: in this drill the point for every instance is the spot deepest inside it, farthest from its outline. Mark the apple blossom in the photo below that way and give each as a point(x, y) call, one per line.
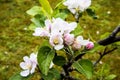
point(90, 45)
point(56, 41)
point(68, 38)
point(28, 65)
point(77, 5)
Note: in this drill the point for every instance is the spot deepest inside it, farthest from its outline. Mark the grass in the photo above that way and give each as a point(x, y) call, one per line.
point(16, 41)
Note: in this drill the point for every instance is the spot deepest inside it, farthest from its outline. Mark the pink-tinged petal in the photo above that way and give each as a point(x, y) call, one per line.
point(76, 46)
point(90, 45)
point(69, 39)
point(23, 65)
point(24, 73)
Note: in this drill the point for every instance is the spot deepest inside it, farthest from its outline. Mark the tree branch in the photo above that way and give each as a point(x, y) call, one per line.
point(111, 38)
point(103, 54)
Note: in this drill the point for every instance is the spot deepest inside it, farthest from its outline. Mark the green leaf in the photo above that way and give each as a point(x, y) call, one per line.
point(85, 67)
point(17, 76)
point(46, 6)
point(53, 74)
point(44, 57)
point(110, 77)
point(35, 10)
point(91, 13)
point(31, 26)
point(59, 60)
point(61, 15)
point(38, 20)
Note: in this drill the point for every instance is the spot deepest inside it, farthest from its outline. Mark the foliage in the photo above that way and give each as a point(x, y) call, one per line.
point(36, 19)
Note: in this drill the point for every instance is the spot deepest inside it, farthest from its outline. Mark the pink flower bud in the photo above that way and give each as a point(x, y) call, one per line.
point(69, 38)
point(90, 45)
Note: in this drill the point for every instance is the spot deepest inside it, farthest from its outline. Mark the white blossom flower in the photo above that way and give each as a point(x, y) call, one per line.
point(69, 39)
point(56, 41)
point(77, 5)
point(28, 65)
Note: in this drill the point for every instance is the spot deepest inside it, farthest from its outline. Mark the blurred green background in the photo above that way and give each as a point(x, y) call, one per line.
point(16, 39)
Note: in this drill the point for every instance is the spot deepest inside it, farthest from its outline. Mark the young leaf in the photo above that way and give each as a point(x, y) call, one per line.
point(45, 4)
point(85, 67)
point(62, 13)
point(38, 20)
point(59, 60)
point(110, 77)
point(17, 76)
point(32, 26)
point(44, 57)
point(34, 11)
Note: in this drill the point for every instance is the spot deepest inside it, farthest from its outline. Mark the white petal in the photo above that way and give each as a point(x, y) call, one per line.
point(79, 38)
point(24, 73)
point(72, 10)
point(58, 47)
point(33, 57)
point(23, 65)
point(37, 32)
point(26, 58)
point(33, 68)
point(84, 42)
point(48, 24)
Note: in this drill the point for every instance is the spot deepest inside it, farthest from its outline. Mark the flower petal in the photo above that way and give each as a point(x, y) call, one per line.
point(33, 68)
point(26, 58)
point(33, 57)
point(58, 47)
point(23, 65)
point(24, 73)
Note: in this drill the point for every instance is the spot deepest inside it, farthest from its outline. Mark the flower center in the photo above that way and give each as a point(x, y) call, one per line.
point(29, 66)
point(56, 41)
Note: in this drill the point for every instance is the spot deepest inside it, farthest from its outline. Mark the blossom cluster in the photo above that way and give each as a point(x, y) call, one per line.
point(59, 33)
